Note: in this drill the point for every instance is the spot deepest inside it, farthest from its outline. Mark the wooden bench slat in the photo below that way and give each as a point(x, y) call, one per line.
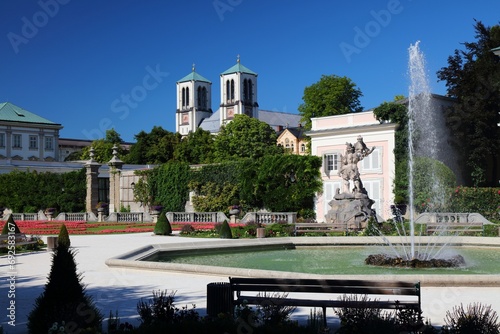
point(374, 290)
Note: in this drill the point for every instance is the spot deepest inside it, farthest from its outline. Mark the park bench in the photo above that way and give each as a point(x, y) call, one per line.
point(335, 293)
point(454, 228)
point(318, 227)
point(19, 238)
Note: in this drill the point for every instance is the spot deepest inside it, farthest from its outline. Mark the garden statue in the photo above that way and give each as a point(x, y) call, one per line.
point(349, 170)
point(351, 208)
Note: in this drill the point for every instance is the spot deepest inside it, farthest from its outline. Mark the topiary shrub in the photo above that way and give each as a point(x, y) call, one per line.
point(163, 226)
point(10, 226)
point(64, 299)
point(476, 318)
point(63, 237)
point(225, 231)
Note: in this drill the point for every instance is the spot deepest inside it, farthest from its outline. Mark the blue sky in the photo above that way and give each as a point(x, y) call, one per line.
point(75, 62)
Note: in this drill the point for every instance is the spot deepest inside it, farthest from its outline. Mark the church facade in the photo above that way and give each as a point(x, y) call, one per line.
point(238, 96)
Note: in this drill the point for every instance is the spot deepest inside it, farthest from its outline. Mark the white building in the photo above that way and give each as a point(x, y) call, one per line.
point(26, 136)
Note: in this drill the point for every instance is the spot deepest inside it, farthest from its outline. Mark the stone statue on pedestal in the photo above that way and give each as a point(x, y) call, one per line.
point(351, 208)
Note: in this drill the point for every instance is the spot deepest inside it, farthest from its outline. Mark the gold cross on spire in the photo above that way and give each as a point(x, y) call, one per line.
point(238, 58)
point(193, 67)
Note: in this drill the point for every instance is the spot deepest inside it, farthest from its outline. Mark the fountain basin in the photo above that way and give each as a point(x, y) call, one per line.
point(133, 259)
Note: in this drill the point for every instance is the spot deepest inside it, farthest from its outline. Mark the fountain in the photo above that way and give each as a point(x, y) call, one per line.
point(422, 141)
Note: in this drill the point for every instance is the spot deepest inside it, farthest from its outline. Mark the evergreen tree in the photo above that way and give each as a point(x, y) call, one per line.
point(225, 231)
point(64, 299)
point(163, 226)
point(63, 238)
point(9, 225)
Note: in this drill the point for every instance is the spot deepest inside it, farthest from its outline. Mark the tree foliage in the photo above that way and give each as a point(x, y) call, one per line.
point(33, 191)
point(168, 185)
point(331, 95)
point(10, 225)
point(103, 148)
point(245, 137)
point(64, 299)
point(196, 148)
point(225, 231)
point(162, 226)
point(155, 147)
point(473, 78)
point(63, 237)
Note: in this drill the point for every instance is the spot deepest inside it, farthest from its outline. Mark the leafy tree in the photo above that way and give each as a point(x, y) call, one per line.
point(32, 191)
point(162, 226)
point(64, 299)
point(168, 185)
point(473, 78)
point(225, 231)
point(331, 95)
point(103, 148)
point(63, 237)
point(195, 148)
point(288, 183)
point(10, 225)
point(245, 137)
point(397, 112)
point(155, 147)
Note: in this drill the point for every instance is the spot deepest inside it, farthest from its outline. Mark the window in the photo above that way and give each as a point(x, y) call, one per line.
point(374, 190)
point(202, 98)
point(17, 141)
point(302, 148)
point(2, 139)
point(183, 93)
point(187, 96)
point(372, 162)
point(331, 163)
point(33, 143)
point(49, 143)
point(232, 90)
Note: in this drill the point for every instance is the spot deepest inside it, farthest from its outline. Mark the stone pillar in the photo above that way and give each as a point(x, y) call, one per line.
point(92, 168)
point(115, 171)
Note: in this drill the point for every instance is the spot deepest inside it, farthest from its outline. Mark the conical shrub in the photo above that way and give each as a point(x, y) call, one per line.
point(63, 237)
point(10, 225)
point(225, 231)
point(163, 226)
point(64, 299)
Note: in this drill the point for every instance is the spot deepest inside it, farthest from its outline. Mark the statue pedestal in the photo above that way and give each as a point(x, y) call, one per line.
point(351, 210)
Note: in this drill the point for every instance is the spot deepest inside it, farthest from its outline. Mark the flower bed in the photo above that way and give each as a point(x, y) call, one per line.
point(42, 227)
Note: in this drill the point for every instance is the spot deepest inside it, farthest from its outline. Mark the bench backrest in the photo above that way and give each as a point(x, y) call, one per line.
point(399, 288)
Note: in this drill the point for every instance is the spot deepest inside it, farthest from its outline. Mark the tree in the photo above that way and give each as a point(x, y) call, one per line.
point(10, 226)
point(331, 95)
point(473, 78)
point(195, 148)
point(63, 237)
point(162, 226)
point(155, 147)
point(397, 112)
point(225, 231)
point(245, 137)
point(64, 299)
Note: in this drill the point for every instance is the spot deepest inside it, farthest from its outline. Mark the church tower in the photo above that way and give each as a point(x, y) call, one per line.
point(193, 102)
point(238, 93)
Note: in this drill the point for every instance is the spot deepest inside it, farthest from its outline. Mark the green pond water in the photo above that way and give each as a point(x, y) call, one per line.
point(330, 260)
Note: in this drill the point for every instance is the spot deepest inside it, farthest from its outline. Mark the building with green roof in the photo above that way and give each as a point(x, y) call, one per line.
point(27, 136)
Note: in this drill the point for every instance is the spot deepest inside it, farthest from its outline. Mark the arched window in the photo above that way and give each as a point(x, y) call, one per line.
point(245, 90)
point(232, 90)
point(183, 97)
point(250, 91)
point(293, 148)
point(204, 98)
point(187, 96)
point(228, 91)
point(302, 147)
point(198, 97)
